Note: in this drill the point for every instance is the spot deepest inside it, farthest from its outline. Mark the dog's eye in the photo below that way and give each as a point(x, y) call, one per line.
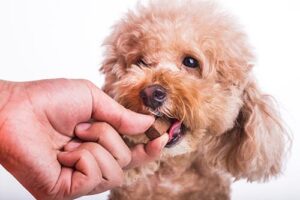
point(190, 62)
point(141, 62)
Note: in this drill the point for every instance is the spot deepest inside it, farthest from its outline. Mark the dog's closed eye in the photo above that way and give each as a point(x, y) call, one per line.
point(141, 62)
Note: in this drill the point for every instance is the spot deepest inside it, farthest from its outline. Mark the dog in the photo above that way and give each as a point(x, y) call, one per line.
point(189, 62)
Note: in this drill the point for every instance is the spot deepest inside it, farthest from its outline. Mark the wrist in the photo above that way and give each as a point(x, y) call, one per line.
point(6, 89)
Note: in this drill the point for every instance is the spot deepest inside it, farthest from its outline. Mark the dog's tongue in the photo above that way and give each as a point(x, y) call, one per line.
point(174, 130)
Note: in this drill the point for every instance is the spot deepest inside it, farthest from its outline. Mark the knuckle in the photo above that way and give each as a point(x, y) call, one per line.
point(125, 159)
point(106, 132)
point(89, 147)
point(84, 153)
point(87, 82)
point(119, 178)
point(104, 127)
point(116, 178)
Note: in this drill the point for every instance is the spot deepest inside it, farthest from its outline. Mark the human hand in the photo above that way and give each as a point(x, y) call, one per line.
point(38, 121)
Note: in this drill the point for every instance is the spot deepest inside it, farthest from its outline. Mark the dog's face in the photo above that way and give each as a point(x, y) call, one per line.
point(186, 62)
point(172, 63)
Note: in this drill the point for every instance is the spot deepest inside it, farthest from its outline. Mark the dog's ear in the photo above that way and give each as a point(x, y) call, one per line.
point(256, 146)
point(260, 137)
point(120, 49)
point(110, 68)
point(113, 64)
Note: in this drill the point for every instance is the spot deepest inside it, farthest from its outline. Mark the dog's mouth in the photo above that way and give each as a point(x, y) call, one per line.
point(176, 132)
point(174, 127)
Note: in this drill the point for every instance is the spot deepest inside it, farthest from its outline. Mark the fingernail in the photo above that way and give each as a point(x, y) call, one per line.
point(164, 140)
point(83, 126)
point(73, 144)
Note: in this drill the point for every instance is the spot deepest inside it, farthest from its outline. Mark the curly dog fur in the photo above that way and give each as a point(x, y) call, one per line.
point(232, 129)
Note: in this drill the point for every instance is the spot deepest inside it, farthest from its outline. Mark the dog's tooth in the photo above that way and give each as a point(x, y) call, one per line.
point(159, 127)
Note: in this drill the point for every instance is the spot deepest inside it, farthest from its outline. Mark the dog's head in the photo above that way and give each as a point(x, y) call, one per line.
point(190, 63)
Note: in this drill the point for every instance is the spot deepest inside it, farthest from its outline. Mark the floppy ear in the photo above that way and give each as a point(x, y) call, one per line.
point(120, 49)
point(260, 138)
point(256, 146)
point(111, 69)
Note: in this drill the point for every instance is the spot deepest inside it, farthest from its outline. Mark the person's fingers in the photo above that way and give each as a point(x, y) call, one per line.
point(144, 153)
point(85, 175)
point(73, 144)
point(106, 136)
point(123, 120)
point(111, 171)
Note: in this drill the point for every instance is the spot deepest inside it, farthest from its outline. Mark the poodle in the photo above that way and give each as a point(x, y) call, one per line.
point(189, 63)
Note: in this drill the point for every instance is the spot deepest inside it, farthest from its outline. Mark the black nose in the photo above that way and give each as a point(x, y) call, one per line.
point(153, 96)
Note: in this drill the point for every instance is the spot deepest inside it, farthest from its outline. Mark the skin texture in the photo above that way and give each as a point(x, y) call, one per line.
point(61, 138)
point(233, 130)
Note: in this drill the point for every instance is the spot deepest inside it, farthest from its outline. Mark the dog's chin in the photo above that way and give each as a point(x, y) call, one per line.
point(180, 148)
point(182, 139)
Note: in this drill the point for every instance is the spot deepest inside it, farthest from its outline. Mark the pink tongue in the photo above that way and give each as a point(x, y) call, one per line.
point(175, 128)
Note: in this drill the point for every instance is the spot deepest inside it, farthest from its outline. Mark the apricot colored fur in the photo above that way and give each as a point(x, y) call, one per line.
point(233, 129)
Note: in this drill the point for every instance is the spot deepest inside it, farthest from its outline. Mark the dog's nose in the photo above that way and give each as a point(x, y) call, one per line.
point(153, 96)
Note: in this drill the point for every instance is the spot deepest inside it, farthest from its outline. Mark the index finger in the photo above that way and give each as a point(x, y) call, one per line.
point(123, 120)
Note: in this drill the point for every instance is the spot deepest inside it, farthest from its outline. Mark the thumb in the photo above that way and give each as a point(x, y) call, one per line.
point(123, 120)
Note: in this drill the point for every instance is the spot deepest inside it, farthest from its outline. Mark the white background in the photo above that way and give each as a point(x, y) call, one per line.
point(62, 38)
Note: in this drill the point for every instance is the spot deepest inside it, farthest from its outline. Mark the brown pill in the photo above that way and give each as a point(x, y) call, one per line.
point(158, 128)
